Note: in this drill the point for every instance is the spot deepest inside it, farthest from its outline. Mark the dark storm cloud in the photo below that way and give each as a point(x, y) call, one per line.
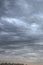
point(25, 26)
point(17, 29)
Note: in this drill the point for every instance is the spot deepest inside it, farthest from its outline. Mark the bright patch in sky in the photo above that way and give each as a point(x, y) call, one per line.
point(34, 27)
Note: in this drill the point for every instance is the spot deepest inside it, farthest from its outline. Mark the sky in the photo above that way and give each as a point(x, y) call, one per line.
point(21, 31)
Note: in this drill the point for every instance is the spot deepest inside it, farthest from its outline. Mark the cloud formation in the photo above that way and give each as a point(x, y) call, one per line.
point(21, 30)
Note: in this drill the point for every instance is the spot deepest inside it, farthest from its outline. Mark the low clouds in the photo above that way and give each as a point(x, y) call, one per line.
point(21, 30)
point(17, 29)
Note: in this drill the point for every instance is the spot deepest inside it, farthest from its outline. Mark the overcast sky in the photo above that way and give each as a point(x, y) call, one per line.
point(21, 30)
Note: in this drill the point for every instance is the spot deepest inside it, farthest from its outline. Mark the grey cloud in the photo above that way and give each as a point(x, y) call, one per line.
point(21, 29)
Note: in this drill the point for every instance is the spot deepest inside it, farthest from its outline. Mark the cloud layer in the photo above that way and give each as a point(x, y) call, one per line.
point(21, 30)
